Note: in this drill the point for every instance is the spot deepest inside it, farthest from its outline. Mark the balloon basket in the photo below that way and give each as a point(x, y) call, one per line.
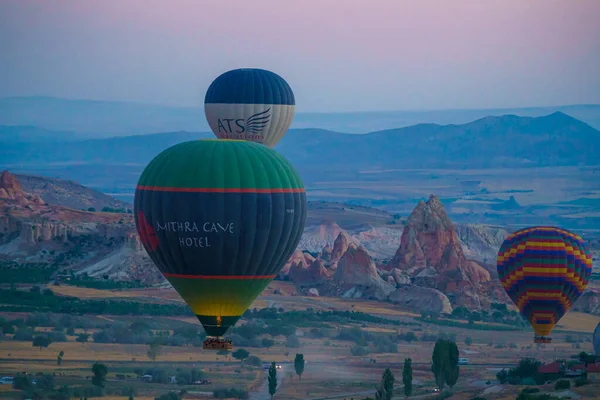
point(212, 343)
point(542, 339)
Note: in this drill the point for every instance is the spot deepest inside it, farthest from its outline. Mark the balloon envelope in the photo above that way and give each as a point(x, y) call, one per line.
point(544, 270)
point(219, 218)
point(250, 104)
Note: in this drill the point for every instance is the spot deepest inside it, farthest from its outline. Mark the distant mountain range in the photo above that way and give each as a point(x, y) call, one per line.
point(91, 118)
point(491, 142)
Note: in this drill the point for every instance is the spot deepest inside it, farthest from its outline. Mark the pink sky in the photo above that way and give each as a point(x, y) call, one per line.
point(338, 55)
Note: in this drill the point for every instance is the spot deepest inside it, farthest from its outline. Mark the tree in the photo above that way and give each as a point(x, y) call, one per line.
point(407, 377)
point(272, 380)
point(380, 392)
point(453, 371)
point(41, 341)
point(445, 363)
point(292, 341)
point(267, 342)
point(387, 380)
point(502, 376)
point(154, 350)
point(468, 341)
point(82, 338)
point(439, 361)
point(99, 379)
point(60, 357)
point(7, 327)
point(240, 354)
point(410, 336)
point(299, 365)
point(254, 361)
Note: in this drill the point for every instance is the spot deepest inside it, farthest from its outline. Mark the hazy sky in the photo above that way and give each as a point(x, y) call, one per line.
point(338, 55)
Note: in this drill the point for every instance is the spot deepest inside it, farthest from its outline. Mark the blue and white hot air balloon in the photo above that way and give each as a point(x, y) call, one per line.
point(250, 104)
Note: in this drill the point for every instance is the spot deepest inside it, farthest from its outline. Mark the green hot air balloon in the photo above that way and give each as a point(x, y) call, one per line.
point(219, 218)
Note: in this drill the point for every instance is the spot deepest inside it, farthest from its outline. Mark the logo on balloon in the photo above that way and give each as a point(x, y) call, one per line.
point(253, 125)
point(147, 233)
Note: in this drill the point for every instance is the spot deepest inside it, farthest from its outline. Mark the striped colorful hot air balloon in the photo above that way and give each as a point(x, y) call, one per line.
point(250, 104)
point(544, 270)
point(219, 218)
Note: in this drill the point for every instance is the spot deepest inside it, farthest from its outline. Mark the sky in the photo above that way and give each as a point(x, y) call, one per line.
point(337, 55)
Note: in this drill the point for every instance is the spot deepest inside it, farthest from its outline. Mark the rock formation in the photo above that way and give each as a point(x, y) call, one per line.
point(481, 243)
point(11, 190)
point(357, 274)
point(430, 251)
point(299, 259)
point(419, 298)
point(313, 274)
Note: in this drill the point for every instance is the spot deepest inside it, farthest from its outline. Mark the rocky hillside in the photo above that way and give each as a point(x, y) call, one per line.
point(34, 231)
point(68, 194)
point(423, 261)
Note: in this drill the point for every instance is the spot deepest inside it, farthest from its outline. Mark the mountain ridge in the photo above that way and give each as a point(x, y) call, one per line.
point(553, 140)
point(102, 117)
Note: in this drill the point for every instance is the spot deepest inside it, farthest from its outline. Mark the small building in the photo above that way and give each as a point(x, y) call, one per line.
point(593, 372)
point(551, 372)
point(552, 368)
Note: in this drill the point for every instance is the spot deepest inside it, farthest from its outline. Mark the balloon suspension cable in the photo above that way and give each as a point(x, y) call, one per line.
point(216, 343)
point(542, 339)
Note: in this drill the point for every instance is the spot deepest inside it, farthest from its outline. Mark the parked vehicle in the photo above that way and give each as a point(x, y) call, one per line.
point(7, 380)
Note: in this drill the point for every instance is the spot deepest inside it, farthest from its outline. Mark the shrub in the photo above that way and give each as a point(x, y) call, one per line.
point(254, 361)
point(581, 381)
point(359, 350)
point(168, 396)
point(235, 393)
point(562, 384)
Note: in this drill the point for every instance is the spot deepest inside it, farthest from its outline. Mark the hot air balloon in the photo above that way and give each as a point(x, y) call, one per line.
point(250, 104)
point(596, 340)
point(544, 270)
point(219, 218)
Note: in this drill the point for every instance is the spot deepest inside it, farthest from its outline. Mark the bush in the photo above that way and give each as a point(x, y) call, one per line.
point(408, 337)
point(502, 376)
point(254, 361)
point(581, 381)
point(384, 345)
point(354, 334)
point(234, 393)
point(562, 384)
point(359, 350)
point(168, 396)
point(24, 335)
point(292, 341)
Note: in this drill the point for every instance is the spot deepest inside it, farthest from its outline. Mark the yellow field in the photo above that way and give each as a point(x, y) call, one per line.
point(88, 293)
point(578, 322)
point(23, 351)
